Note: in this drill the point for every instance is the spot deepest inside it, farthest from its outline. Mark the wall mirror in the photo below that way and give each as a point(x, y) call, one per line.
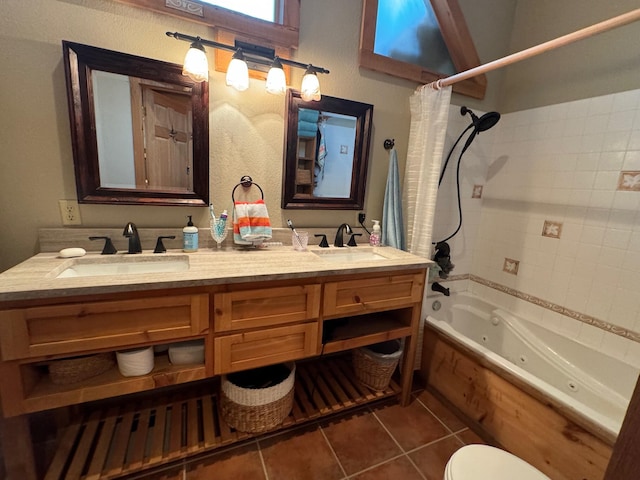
point(139, 128)
point(326, 153)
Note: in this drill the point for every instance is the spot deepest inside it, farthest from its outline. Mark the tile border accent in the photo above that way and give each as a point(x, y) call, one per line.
point(554, 307)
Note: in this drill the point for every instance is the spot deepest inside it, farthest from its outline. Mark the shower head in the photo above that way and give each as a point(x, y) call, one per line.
point(485, 122)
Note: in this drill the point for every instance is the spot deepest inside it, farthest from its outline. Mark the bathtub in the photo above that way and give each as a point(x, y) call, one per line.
point(584, 382)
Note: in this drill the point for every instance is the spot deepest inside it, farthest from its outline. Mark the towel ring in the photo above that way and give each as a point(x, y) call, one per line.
point(246, 182)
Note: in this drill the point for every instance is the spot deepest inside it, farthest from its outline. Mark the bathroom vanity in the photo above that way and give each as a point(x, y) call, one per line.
point(251, 309)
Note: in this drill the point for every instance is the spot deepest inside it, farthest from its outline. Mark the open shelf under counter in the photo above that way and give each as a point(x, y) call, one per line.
point(43, 394)
point(111, 440)
point(361, 330)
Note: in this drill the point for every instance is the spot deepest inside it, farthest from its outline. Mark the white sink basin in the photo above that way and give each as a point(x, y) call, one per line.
point(125, 266)
point(349, 255)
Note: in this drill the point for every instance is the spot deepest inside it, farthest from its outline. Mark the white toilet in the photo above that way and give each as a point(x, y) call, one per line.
point(482, 462)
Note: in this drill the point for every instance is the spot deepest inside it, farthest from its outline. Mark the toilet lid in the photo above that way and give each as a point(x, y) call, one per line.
point(482, 462)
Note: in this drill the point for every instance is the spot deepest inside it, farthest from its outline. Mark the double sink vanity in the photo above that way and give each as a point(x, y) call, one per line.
point(251, 308)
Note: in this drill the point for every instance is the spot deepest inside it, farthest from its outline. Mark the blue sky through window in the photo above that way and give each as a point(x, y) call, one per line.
point(407, 30)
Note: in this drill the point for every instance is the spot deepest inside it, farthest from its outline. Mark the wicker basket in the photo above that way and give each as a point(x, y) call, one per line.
point(374, 365)
point(257, 409)
point(77, 369)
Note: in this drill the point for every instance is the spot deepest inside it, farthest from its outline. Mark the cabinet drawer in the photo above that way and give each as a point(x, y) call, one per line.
point(76, 327)
point(241, 351)
point(265, 307)
point(372, 294)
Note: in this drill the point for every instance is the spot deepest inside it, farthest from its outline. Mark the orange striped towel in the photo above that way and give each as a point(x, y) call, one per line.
point(251, 224)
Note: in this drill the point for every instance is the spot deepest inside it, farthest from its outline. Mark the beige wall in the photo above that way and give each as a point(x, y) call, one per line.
point(603, 64)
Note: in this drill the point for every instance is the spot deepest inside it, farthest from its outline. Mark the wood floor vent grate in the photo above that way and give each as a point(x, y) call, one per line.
point(119, 440)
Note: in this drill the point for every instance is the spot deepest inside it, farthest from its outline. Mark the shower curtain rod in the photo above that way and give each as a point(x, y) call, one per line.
point(620, 20)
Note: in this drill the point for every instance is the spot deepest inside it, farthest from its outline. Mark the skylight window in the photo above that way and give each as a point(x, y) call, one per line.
point(262, 9)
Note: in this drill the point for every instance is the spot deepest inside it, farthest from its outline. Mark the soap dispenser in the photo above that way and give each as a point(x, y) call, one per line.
point(374, 237)
point(190, 237)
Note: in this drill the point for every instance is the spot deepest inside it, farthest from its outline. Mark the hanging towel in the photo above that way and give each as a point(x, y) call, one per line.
point(251, 224)
point(392, 224)
point(322, 154)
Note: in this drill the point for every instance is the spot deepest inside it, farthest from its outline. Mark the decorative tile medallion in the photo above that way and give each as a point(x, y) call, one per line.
point(477, 191)
point(629, 181)
point(551, 229)
point(511, 266)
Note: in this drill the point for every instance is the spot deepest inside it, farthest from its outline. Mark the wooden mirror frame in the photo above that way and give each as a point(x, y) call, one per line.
point(363, 112)
point(79, 62)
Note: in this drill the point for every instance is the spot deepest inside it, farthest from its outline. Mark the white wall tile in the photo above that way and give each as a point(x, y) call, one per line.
point(560, 163)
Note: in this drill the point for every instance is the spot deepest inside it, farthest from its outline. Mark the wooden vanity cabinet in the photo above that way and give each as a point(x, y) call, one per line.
point(263, 326)
point(76, 327)
point(243, 326)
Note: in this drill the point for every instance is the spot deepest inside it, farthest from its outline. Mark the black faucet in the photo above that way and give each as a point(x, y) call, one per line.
point(345, 227)
point(131, 232)
point(436, 287)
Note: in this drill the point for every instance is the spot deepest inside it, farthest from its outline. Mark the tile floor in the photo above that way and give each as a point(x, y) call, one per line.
point(378, 442)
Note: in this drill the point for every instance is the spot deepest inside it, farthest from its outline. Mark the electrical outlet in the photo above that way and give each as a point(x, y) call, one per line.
point(361, 217)
point(70, 212)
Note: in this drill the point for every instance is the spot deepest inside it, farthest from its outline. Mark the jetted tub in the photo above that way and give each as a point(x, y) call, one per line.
point(586, 382)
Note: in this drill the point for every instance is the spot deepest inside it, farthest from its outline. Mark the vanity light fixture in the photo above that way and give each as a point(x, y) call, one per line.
point(238, 72)
point(310, 89)
point(248, 56)
point(195, 65)
point(276, 81)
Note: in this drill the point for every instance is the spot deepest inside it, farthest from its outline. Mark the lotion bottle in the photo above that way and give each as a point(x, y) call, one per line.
point(190, 237)
point(374, 238)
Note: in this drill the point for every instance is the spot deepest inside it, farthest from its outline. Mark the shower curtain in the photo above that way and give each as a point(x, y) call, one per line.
point(429, 117)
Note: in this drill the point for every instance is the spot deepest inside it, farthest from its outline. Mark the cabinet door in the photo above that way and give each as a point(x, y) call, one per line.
point(242, 351)
point(77, 327)
point(352, 297)
point(265, 307)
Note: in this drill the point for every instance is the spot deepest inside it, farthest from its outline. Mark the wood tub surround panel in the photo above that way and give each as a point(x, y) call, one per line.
point(244, 326)
point(529, 428)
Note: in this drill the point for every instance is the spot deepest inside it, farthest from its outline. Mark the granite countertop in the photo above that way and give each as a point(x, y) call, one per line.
point(36, 277)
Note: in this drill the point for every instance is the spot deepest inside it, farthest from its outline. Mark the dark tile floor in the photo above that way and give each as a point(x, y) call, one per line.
point(379, 442)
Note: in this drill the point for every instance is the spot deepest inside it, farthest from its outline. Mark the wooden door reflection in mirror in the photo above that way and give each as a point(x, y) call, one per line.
point(326, 153)
point(140, 129)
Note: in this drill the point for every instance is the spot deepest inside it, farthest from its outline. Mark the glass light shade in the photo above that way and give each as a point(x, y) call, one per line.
point(195, 64)
point(276, 81)
point(310, 89)
point(238, 74)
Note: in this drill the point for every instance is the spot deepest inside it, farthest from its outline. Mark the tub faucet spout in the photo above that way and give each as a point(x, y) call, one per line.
point(339, 241)
point(131, 232)
point(436, 287)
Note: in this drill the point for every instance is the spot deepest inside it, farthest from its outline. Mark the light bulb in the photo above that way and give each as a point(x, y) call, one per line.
point(310, 89)
point(238, 72)
point(276, 81)
point(195, 64)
